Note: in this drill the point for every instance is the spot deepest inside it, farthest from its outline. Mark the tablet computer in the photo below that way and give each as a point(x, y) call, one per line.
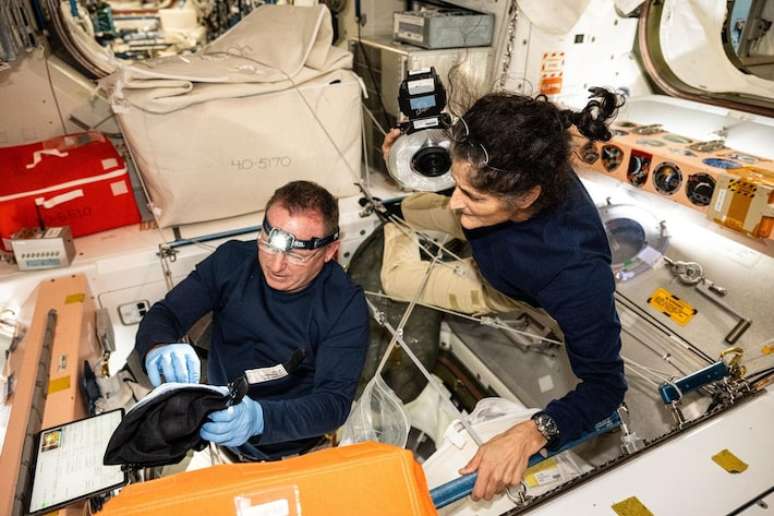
point(68, 462)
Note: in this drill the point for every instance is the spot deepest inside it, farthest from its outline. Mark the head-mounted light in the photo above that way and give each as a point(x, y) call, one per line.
point(283, 241)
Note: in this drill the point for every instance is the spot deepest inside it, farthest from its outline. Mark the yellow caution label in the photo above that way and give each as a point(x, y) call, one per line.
point(59, 384)
point(75, 298)
point(631, 507)
point(728, 461)
point(542, 473)
point(672, 306)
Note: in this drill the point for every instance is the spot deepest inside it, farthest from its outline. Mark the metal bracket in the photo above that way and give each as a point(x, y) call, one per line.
point(519, 498)
point(678, 414)
point(630, 441)
point(167, 253)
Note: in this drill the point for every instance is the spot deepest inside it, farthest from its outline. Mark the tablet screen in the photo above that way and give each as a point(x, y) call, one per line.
point(68, 465)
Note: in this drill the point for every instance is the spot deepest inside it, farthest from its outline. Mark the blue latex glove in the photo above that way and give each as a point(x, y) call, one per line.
point(178, 363)
point(235, 425)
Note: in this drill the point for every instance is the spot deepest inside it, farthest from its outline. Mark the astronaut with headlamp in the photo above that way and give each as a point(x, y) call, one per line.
point(285, 316)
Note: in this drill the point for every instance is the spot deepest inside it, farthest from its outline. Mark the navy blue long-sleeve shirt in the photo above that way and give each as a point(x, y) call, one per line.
point(559, 260)
point(255, 326)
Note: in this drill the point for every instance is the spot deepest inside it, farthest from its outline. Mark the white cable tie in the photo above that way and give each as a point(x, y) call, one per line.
point(488, 321)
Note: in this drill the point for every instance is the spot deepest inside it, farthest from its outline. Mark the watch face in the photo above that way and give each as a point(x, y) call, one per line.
point(546, 425)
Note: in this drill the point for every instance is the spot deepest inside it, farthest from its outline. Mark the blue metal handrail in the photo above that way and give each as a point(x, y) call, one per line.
point(461, 487)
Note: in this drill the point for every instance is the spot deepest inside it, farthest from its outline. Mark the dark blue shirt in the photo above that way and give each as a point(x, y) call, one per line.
point(559, 260)
point(255, 326)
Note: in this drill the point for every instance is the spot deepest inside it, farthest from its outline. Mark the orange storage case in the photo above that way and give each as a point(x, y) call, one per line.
point(363, 479)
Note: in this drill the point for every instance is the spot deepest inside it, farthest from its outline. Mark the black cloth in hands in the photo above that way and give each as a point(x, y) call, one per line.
point(160, 430)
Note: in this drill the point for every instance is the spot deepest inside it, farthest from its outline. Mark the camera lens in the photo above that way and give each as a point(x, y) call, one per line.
point(431, 161)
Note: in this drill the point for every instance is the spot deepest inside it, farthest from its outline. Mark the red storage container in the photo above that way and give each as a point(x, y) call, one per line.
point(77, 180)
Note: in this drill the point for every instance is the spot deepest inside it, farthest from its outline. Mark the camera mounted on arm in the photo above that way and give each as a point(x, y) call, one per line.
point(422, 98)
point(420, 159)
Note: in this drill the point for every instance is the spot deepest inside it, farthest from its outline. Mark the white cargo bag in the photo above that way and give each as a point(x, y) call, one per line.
point(214, 134)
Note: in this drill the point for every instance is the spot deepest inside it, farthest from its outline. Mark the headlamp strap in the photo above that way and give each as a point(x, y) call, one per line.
point(276, 235)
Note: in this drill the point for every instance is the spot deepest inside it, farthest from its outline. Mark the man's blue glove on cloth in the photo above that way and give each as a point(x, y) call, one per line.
point(178, 363)
point(235, 425)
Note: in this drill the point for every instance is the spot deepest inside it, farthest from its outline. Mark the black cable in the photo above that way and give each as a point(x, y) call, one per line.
point(762, 371)
point(53, 94)
point(759, 375)
point(371, 74)
point(39, 17)
point(111, 115)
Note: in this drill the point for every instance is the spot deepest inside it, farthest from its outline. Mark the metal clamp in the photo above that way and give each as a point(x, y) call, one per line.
point(689, 273)
point(727, 370)
point(167, 253)
point(692, 274)
point(733, 358)
point(630, 441)
point(520, 497)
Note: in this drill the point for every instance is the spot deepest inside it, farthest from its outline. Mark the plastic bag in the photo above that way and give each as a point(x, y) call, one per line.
point(377, 416)
point(488, 409)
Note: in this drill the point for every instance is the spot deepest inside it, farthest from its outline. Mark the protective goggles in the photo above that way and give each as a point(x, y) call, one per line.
point(275, 240)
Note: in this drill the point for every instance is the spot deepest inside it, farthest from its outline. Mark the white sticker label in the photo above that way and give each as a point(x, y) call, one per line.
point(548, 476)
point(266, 374)
point(275, 508)
point(720, 200)
point(649, 255)
point(118, 188)
point(52, 232)
point(546, 383)
point(109, 163)
point(425, 123)
point(419, 70)
point(421, 86)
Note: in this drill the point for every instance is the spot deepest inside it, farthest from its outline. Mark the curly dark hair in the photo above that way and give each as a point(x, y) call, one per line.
point(527, 142)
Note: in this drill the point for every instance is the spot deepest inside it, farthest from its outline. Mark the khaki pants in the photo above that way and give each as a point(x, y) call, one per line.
point(453, 285)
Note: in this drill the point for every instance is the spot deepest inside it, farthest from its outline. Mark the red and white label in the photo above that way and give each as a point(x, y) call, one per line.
point(551, 73)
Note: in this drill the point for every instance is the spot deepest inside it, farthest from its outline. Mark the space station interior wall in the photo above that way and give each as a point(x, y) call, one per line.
point(36, 89)
point(698, 58)
point(598, 50)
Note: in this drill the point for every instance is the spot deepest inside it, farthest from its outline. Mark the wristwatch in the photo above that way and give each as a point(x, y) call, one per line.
point(546, 426)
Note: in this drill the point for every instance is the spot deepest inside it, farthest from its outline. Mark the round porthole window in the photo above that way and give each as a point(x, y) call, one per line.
point(637, 239)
